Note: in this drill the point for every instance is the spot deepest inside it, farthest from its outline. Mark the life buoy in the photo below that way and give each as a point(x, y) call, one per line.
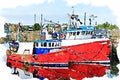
point(8, 52)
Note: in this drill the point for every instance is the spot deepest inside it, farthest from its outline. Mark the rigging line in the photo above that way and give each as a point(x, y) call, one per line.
point(88, 59)
point(79, 56)
point(73, 52)
point(98, 52)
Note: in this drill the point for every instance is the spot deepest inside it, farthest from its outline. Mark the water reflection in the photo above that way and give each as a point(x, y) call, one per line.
point(80, 71)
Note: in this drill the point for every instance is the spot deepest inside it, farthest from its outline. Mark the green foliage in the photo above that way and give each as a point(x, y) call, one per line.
point(107, 26)
point(114, 70)
point(64, 29)
point(50, 27)
point(36, 27)
point(26, 28)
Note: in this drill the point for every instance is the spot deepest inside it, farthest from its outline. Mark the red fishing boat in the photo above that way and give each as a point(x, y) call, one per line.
point(50, 59)
point(51, 56)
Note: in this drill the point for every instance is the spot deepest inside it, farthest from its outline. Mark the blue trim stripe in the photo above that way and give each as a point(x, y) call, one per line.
point(37, 64)
point(49, 65)
point(49, 40)
point(82, 28)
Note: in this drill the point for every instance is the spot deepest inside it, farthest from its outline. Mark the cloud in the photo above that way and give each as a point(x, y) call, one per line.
point(7, 4)
point(15, 3)
point(112, 4)
point(2, 22)
point(51, 1)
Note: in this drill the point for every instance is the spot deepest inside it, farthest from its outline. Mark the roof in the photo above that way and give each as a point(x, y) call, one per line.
point(82, 28)
point(39, 41)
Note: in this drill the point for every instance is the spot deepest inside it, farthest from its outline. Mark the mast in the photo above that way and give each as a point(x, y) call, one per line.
point(41, 19)
point(73, 10)
point(34, 18)
point(85, 18)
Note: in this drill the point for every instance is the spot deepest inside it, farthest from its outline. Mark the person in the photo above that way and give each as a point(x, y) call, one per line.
point(54, 36)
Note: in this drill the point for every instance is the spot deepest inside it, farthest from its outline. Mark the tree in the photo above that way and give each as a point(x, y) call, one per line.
point(26, 28)
point(107, 26)
point(50, 28)
point(36, 27)
point(64, 27)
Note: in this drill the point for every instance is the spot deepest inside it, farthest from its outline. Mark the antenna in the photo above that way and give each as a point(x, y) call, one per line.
point(69, 17)
point(73, 9)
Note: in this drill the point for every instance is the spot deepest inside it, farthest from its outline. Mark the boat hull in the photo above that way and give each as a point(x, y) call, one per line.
point(88, 51)
point(54, 60)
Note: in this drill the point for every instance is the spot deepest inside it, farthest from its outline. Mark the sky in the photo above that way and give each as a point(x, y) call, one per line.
point(15, 11)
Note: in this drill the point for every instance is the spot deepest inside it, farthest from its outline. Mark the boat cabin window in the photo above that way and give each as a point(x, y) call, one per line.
point(42, 44)
point(36, 44)
point(52, 44)
point(83, 32)
point(59, 44)
point(78, 33)
point(45, 44)
point(87, 32)
point(49, 44)
point(91, 33)
point(56, 44)
point(70, 33)
point(74, 33)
